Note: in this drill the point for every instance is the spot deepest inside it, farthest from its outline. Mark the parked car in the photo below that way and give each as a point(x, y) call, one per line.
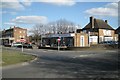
point(17, 44)
point(114, 42)
point(109, 42)
point(25, 45)
point(7, 45)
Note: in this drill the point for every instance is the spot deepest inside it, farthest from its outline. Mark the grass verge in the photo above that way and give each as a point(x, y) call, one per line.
point(12, 57)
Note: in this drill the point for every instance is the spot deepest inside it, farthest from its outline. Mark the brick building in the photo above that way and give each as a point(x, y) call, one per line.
point(99, 31)
point(117, 33)
point(13, 35)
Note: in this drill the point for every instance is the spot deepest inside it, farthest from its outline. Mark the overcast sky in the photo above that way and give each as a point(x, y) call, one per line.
point(28, 13)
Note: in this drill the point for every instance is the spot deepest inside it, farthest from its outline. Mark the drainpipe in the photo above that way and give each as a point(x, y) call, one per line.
point(89, 38)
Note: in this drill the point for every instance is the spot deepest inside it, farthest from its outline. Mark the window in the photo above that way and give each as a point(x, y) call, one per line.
point(107, 32)
point(84, 31)
point(20, 36)
point(93, 38)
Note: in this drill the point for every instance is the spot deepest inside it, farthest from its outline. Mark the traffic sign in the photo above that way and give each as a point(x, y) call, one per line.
point(58, 39)
point(22, 40)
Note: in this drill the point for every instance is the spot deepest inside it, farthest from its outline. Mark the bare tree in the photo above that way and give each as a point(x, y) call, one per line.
point(37, 31)
point(51, 27)
point(63, 26)
point(59, 26)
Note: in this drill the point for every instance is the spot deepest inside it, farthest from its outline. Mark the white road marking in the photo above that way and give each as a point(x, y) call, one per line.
point(75, 72)
point(81, 56)
point(25, 63)
point(38, 62)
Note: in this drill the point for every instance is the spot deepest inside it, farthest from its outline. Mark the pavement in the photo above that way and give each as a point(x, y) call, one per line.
point(67, 64)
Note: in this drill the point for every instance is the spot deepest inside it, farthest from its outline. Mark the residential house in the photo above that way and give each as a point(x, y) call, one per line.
point(98, 30)
point(117, 32)
point(117, 35)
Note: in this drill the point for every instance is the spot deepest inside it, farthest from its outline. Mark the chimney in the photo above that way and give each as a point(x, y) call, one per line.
point(106, 21)
point(92, 21)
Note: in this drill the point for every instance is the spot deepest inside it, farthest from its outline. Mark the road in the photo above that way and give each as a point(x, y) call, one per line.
point(67, 64)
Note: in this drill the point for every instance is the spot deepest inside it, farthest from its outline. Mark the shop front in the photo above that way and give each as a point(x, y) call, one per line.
point(7, 41)
point(68, 40)
point(52, 41)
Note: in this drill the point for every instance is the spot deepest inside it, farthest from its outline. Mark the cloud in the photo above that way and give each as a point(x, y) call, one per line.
point(30, 20)
point(59, 2)
point(26, 2)
point(14, 4)
point(20, 4)
point(9, 23)
point(112, 5)
point(7, 12)
point(110, 9)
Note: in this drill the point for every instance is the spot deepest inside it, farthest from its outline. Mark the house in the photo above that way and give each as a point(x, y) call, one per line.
point(13, 35)
point(99, 31)
point(66, 39)
point(117, 35)
point(117, 32)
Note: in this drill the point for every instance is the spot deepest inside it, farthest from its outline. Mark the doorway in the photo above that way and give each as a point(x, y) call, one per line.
point(82, 44)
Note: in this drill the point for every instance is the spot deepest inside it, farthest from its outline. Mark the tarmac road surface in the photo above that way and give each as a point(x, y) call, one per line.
point(67, 64)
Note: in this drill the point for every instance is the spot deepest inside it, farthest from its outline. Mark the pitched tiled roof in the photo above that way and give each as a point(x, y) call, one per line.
point(98, 24)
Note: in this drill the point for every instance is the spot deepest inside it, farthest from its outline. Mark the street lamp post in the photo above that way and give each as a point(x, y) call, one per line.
point(22, 40)
point(41, 40)
point(22, 46)
point(59, 44)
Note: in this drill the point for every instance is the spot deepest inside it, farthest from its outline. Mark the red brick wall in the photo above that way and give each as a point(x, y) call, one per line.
point(20, 33)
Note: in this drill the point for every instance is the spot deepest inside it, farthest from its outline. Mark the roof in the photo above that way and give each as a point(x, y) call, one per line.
point(117, 30)
point(98, 24)
point(14, 28)
point(78, 30)
point(19, 28)
point(8, 30)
